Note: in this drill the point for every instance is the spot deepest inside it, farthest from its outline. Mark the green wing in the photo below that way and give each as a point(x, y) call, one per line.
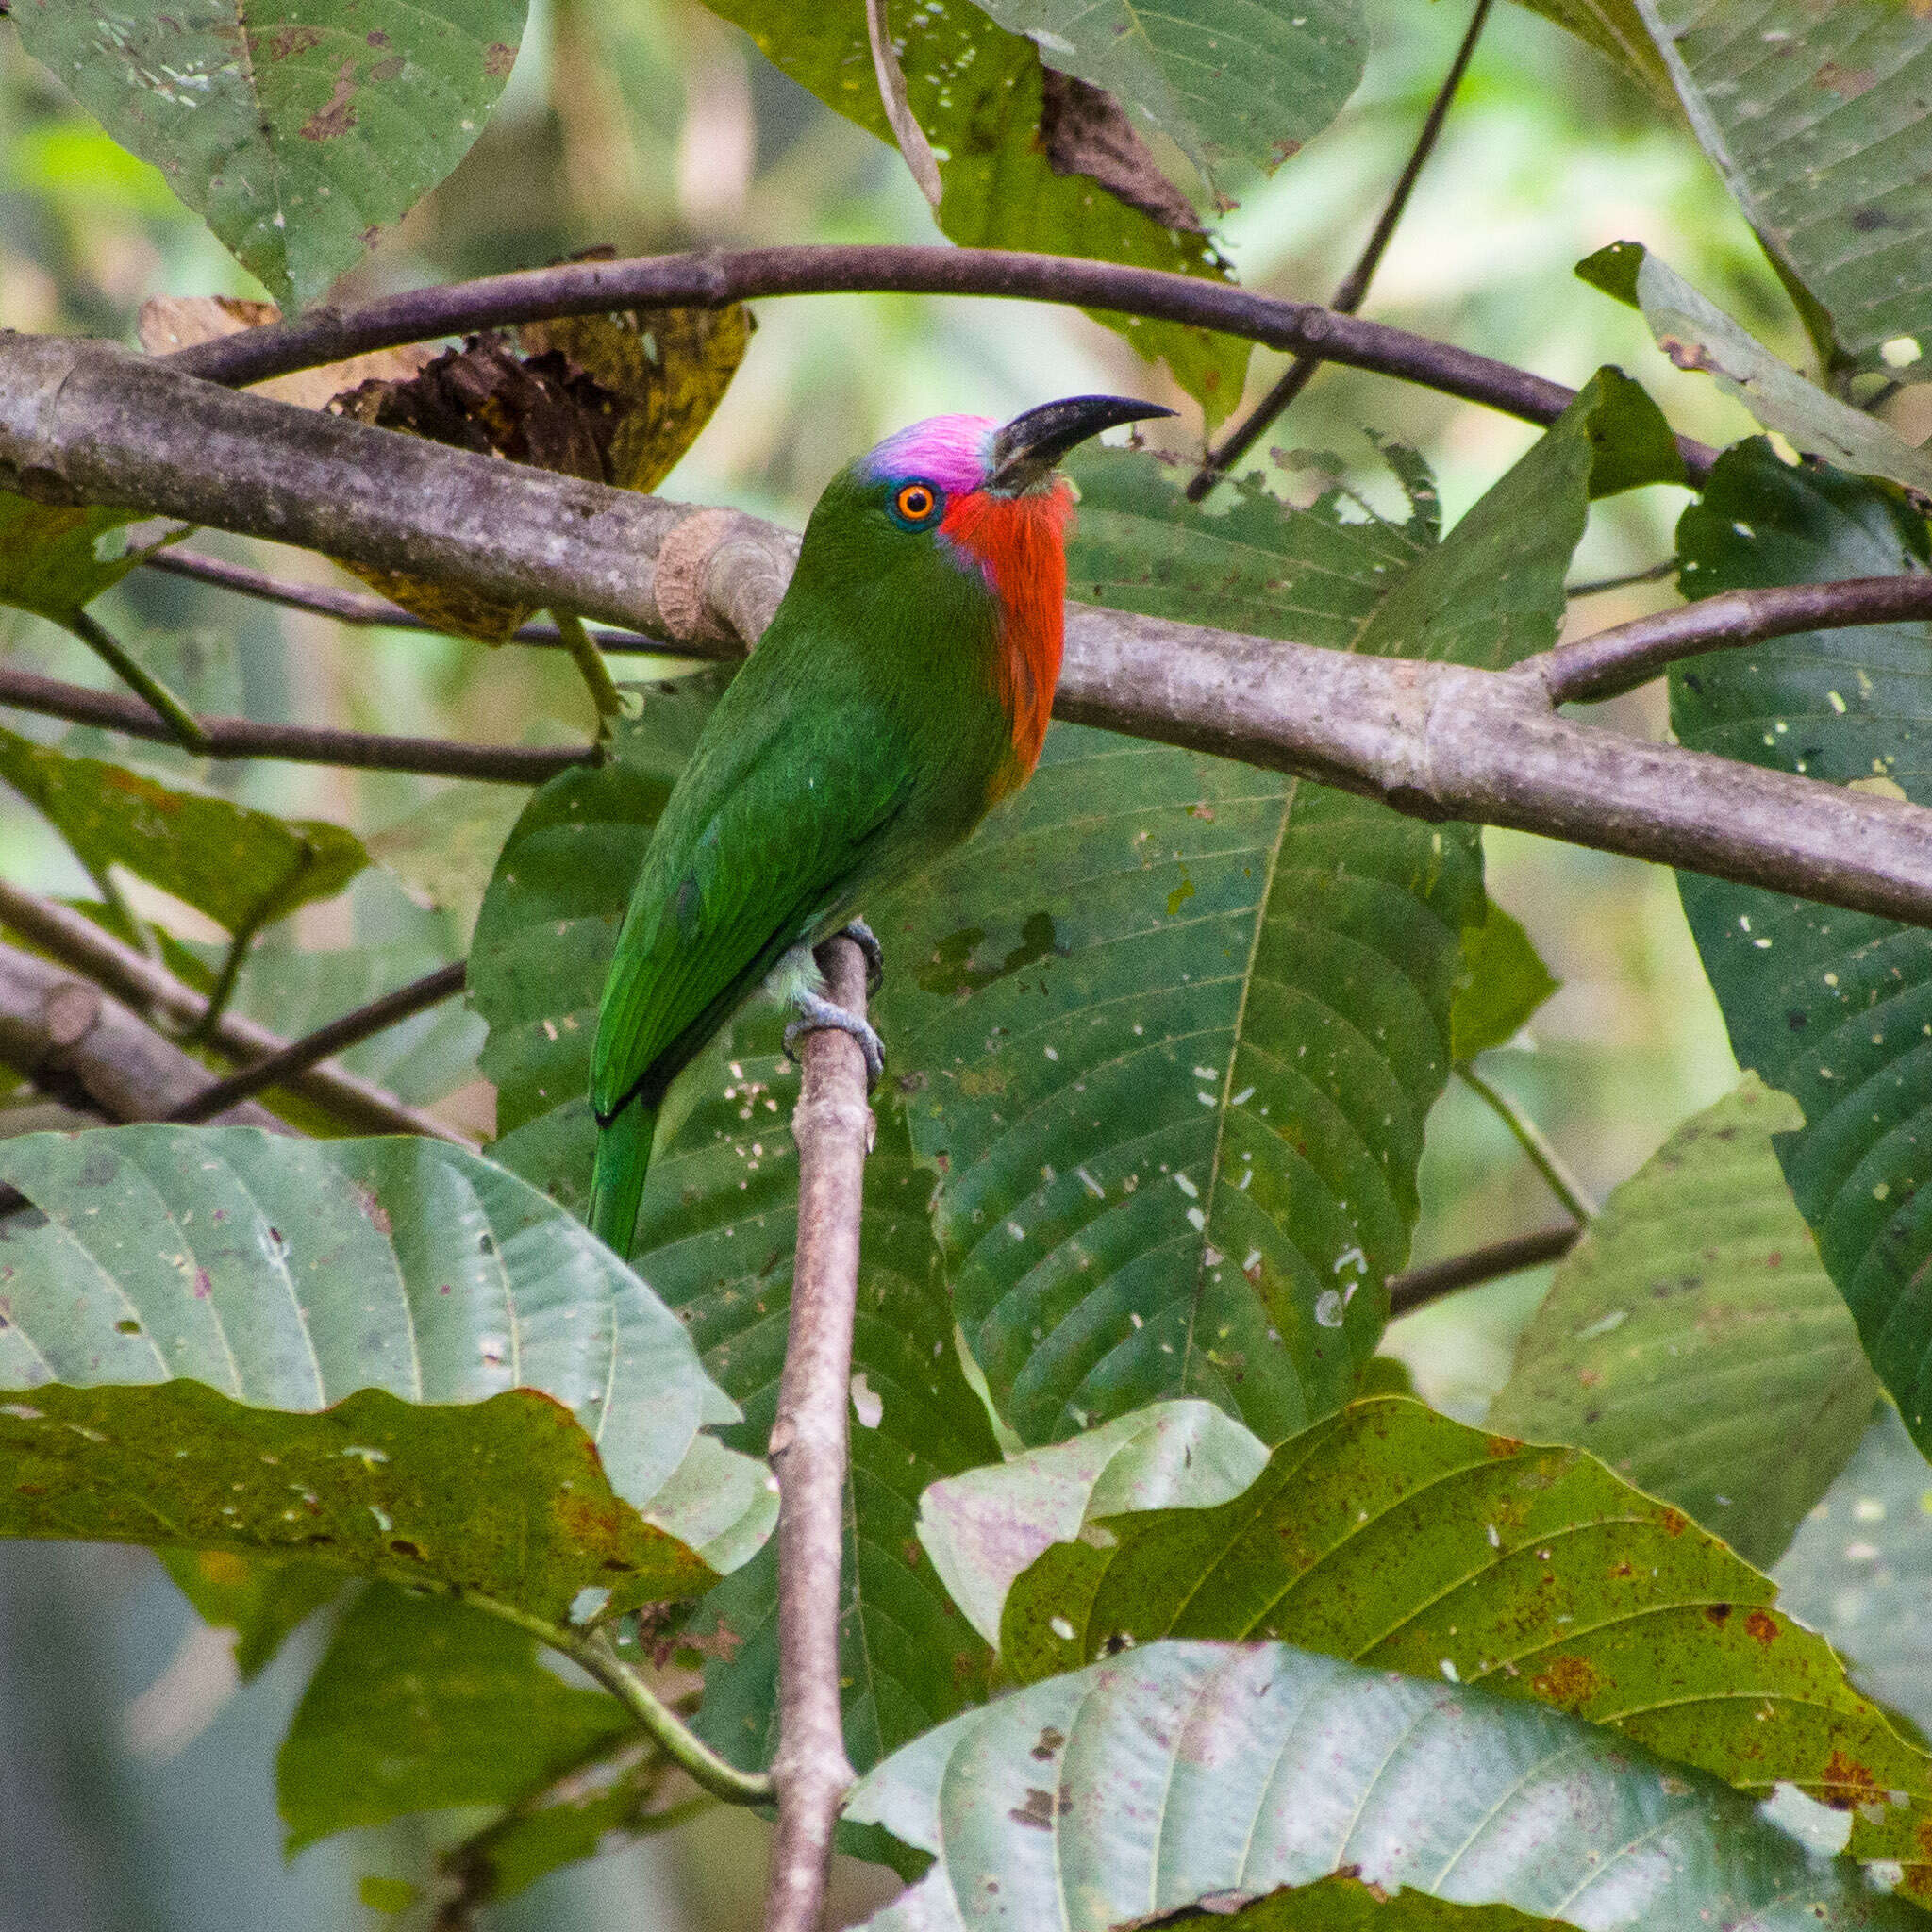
point(775, 826)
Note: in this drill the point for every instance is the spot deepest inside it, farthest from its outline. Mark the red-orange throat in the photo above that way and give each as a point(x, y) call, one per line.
point(1020, 542)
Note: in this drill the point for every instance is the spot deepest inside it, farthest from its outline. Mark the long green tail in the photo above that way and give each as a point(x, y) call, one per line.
point(617, 1182)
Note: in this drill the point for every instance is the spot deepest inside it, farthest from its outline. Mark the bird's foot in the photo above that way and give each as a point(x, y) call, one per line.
point(816, 1013)
point(867, 940)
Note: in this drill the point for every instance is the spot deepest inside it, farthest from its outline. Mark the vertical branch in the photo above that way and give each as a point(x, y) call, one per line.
point(834, 1129)
point(1355, 285)
point(906, 128)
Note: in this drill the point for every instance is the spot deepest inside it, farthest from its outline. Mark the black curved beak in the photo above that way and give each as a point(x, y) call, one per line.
point(1028, 447)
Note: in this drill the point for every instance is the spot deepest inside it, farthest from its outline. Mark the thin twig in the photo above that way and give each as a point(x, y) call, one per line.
point(833, 1127)
point(1409, 1291)
point(1612, 661)
point(1655, 574)
point(78, 943)
point(715, 280)
point(366, 612)
point(907, 131)
point(1534, 1142)
point(592, 669)
point(242, 737)
point(1353, 287)
point(183, 726)
point(337, 1037)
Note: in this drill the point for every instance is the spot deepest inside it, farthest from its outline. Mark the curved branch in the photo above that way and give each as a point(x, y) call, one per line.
point(1609, 662)
point(304, 745)
point(87, 422)
point(78, 943)
point(717, 279)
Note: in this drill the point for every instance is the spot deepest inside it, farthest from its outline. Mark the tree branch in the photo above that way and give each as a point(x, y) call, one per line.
point(716, 279)
point(1354, 288)
point(1409, 1291)
point(279, 1068)
point(1610, 662)
point(85, 421)
point(79, 943)
point(1535, 1144)
point(241, 738)
point(83, 1046)
point(833, 1127)
point(365, 613)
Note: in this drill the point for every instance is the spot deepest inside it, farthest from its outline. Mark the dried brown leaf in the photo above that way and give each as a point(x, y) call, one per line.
point(1084, 130)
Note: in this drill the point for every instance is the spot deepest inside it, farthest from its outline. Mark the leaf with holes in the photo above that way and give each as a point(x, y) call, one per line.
point(297, 132)
point(1815, 116)
point(1012, 164)
point(388, 1355)
point(1176, 1025)
point(240, 867)
point(1396, 1538)
point(1187, 1772)
point(420, 1705)
point(1693, 1339)
point(982, 1528)
point(1241, 84)
point(1697, 334)
point(1860, 1568)
point(1833, 1007)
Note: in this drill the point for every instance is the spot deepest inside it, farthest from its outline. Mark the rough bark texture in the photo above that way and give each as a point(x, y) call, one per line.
point(84, 421)
point(833, 1127)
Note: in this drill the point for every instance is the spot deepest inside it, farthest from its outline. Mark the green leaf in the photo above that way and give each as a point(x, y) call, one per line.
point(980, 94)
point(1506, 983)
point(446, 851)
point(388, 1355)
point(1860, 1568)
point(1182, 1772)
point(1616, 30)
point(420, 1705)
point(1814, 116)
point(982, 1528)
point(260, 1599)
point(1694, 1340)
point(55, 561)
point(1398, 1538)
point(1177, 1024)
point(1833, 1007)
point(240, 867)
point(1697, 334)
point(297, 132)
point(1242, 84)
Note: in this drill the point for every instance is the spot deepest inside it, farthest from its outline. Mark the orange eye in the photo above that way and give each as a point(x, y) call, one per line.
point(915, 502)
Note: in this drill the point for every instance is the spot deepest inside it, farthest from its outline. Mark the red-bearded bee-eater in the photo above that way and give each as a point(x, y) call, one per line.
point(902, 690)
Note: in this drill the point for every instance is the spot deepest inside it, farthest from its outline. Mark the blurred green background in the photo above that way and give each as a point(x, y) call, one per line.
point(136, 1784)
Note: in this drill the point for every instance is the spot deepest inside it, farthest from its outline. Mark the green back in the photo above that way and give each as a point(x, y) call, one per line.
point(860, 739)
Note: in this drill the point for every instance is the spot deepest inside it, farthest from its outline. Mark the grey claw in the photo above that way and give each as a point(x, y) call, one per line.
point(815, 1013)
point(862, 936)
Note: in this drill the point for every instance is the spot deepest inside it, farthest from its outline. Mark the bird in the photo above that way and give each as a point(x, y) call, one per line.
point(902, 688)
